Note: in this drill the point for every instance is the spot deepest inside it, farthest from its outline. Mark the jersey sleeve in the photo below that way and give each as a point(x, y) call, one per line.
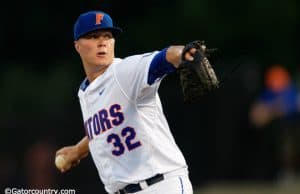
point(159, 67)
point(135, 75)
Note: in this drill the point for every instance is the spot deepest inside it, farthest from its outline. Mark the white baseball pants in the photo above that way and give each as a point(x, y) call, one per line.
point(179, 184)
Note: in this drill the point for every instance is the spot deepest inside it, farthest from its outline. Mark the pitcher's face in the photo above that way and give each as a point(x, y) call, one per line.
point(96, 48)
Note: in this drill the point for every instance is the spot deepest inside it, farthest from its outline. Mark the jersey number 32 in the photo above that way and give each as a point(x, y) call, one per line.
point(128, 135)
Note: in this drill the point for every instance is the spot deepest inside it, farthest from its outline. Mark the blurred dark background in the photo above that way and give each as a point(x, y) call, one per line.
point(41, 72)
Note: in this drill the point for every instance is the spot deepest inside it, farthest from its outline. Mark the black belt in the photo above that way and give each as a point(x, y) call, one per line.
point(132, 188)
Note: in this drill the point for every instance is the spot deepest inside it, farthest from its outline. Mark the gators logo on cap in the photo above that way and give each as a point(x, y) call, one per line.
point(99, 18)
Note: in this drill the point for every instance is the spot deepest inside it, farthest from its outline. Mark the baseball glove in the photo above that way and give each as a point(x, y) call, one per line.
point(197, 77)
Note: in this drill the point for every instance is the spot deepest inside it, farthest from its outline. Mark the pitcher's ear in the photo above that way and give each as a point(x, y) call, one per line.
point(76, 45)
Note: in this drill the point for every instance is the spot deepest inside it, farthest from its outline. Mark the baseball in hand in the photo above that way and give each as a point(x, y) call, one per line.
point(60, 162)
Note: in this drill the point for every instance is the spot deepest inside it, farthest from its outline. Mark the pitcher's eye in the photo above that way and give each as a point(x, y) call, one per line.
point(90, 35)
point(97, 34)
point(107, 35)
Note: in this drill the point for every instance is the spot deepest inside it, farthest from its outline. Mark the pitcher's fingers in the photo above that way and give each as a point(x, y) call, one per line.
point(189, 55)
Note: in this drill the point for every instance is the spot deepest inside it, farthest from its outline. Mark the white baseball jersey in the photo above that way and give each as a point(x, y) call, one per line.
point(129, 137)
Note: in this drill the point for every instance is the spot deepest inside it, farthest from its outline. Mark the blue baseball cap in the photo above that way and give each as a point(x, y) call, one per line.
point(94, 20)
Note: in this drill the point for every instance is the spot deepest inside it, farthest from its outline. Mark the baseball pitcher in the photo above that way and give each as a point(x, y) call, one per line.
point(127, 133)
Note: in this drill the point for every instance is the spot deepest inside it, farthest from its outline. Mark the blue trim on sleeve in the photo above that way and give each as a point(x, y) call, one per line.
point(159, 67)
